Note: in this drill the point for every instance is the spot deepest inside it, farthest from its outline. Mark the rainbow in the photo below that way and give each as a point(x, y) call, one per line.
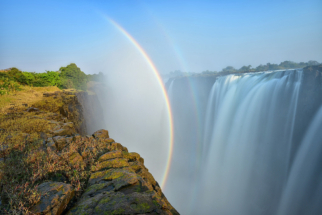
point(154, 69)
point(191, 87)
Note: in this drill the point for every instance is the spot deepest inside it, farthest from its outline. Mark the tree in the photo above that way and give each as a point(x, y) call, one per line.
point(245, 68)
point(72, 77)
point(272, 66)
point(313, 63)
point(229, 69)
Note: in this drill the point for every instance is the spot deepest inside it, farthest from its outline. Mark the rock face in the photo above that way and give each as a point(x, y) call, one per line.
point(120, 184)
point(55, 168)
point(101, 133)
point(92, 115)
point(54, 198)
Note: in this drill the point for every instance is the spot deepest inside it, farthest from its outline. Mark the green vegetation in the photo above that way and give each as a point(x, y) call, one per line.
point(72, 77)
point(67, 77)
point(271, 66)
point(260, 68)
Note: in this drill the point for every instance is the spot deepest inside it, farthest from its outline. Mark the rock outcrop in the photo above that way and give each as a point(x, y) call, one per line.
point(119, 183)
point(54, 198)
point(93, 115)
point(50, 166)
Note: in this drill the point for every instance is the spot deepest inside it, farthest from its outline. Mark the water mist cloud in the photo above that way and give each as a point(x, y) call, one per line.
point(134, 107)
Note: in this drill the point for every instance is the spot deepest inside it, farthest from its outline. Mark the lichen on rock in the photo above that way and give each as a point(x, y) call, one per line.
point(54, 198)
point(60, 171)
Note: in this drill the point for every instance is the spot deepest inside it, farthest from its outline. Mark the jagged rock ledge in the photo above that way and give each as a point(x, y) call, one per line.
point(119, 182)
point(67, 171)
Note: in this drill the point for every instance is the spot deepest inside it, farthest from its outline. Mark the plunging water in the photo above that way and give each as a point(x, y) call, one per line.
point(246, 161)
point(248, 137)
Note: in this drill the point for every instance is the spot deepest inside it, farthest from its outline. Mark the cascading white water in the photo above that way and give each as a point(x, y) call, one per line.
point(303, 190)
point(170, 89)
point(247, 142)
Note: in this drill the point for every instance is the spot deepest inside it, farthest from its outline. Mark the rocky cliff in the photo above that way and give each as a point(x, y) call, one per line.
point(50, 166)
point(118, 183)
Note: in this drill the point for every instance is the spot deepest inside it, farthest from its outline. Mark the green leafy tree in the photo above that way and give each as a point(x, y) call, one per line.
point(272, 66)
point(96, 77)
point(245, 68)
point(229, 69)
point(72, 77)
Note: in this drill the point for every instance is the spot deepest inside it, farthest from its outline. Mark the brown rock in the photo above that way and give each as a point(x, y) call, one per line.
point(63, 132)
point(54, 198)
point(60, 142)
point(101, 133)
point(133, 156)
point(51, 144)
point(32, 109)
point(110, 155)
point(77, 137)
point(116, 147)
point(124, 177)
point(69, 140)
point(113, 163)
point(68, 125)
point(76, 159)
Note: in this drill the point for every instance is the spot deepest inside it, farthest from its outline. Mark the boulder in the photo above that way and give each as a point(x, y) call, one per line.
point(32, 109)
point(113, 163)
point(76, 159)
point(63, 132)
point(133, 156)
point(77, 138)
point(101, 133)
point(69, 140)
point(119, 203)
point(68, 125)
point(60, 142)
point(64, 129)
point(51, 144)
point(116, 146)
point(55, 197)
point(124, 176)
point(110, 155)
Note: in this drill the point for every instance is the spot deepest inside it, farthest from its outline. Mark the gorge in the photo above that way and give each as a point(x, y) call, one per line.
point(244, 143)
point(247, 143)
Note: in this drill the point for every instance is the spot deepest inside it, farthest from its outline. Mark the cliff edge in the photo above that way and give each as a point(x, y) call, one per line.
point(48, 165)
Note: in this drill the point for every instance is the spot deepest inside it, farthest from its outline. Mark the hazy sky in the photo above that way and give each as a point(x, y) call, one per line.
point(177, 35)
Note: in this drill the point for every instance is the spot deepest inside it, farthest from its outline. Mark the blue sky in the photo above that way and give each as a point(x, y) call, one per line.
point(177, 35)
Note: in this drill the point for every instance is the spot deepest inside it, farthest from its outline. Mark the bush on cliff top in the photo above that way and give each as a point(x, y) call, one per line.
point(67, 77)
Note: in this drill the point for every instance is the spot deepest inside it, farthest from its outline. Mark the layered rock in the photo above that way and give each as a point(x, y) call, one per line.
point(66, 171)
point(54, 198)
point(119, 183)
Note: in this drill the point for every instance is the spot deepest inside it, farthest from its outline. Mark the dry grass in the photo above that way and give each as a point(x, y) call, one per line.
point(28, 95)
point(25, 160)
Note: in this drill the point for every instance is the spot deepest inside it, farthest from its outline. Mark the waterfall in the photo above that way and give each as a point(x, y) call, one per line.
point(260, 151)
point(303, 190)
point(247, 142)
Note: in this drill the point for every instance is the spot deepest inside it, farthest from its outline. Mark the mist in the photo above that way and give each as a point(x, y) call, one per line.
point(245, 142)
point(134, 108)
